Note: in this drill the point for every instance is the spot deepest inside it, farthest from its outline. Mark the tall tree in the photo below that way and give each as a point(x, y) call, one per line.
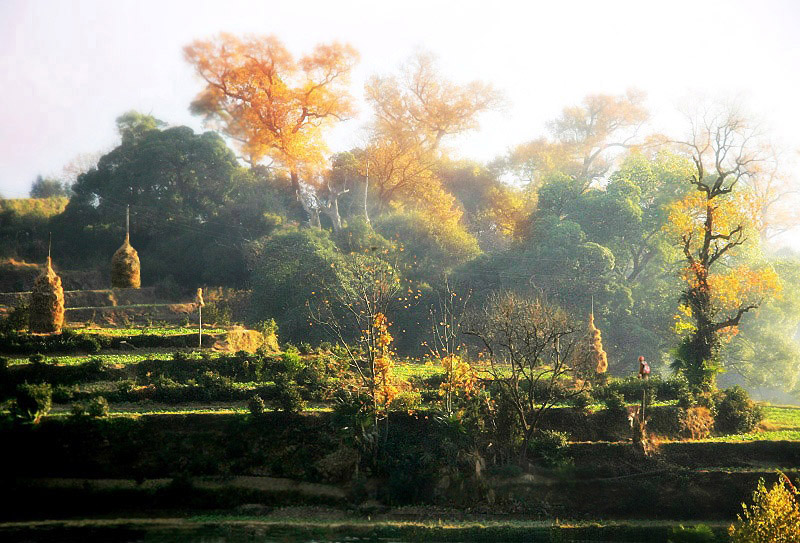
point(277, 107)
point(710, 225)
point(582, 141)
point(414, 114)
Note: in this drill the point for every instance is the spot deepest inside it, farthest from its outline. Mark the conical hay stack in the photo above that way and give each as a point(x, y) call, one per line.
point(125, 267)
point(47, 302)
point(597, 355)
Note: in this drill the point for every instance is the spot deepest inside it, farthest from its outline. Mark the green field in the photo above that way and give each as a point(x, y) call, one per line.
point(148, 330)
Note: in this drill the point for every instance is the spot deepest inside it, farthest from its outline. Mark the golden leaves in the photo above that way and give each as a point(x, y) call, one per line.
point(274, 105)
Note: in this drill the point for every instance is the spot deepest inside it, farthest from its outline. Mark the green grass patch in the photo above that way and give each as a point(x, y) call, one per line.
point(781, 423)
point(148, 331)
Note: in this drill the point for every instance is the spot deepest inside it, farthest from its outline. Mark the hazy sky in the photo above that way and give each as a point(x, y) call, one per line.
point(69, 68)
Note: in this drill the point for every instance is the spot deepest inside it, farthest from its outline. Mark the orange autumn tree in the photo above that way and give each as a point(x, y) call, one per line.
point(710, 225)
point(277, 107)
point(414, 115)
point(385, 386)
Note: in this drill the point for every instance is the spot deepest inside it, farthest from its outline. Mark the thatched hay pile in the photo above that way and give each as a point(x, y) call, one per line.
point(591, 358)
point(240, 339)
point(598, 356)
point(47, 302)
point(125, 270)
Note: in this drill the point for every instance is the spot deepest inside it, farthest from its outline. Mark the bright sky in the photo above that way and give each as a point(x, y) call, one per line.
point(68, 69)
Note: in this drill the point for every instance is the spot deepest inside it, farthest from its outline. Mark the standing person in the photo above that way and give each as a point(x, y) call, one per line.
point(644, 368)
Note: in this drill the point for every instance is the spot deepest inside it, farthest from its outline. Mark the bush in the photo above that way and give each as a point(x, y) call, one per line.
point(33, 401)
point(36, 359)
point(256, 405)
point(97, 407)
point(550, 447)
point(292, 363)
point(406, 400)
point(736, 412)
point(78, 410)
point(16, 320)
point(699, 422)
point(285, 396)
point(774, 516)
point(614, 402)
point(694, 534)
point(581, 400)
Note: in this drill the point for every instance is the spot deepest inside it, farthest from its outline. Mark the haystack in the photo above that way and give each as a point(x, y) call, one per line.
point(125, 267)
point(47, 302)
point(591, 358)
point(597, 355)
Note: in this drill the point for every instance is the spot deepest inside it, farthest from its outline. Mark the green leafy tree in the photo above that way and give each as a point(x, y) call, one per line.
point(49, 188)
point(294, 267)
point(188, 198)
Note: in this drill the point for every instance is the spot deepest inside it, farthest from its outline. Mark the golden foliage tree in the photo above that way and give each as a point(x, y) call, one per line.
point(277, 107)
point(356, 308)
point(47, 302)
point(582, 138)
point(774, 516)
point(413, 114)
point(709, 225)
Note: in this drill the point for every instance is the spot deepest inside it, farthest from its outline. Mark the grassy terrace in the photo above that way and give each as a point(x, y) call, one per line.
point(242, 528)
point(116, 359)
point(148, 330)
point(781, 423)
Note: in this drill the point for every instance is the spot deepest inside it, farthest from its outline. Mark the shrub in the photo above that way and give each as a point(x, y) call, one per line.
point(256, 405)
point(33, 401)
point(97, 407)
point(581, 400)
point(694, 534)
point(774, 516)
point(16, 320)
point(78, 410)
point(96, 365)
point(36, 359)
point(699, 422)
point(550, 447)
point(285, 396)
point(614, 402)
point(736, 412)
point(180, 356)
point(406, 400)
point(63, 394)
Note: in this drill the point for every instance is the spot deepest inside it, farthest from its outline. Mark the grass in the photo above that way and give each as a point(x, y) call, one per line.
point(349, 527)
point(119, 359)
point(781, 423)
point(148, 330)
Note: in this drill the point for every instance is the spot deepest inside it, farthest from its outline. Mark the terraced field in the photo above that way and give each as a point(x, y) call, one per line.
point(180, 441)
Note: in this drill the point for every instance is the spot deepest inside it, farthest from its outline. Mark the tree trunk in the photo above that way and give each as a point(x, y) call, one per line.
point(332, 211)
point(366, 193)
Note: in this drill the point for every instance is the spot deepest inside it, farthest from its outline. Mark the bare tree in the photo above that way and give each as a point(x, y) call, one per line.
point(447, 323)
point(529, 345)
